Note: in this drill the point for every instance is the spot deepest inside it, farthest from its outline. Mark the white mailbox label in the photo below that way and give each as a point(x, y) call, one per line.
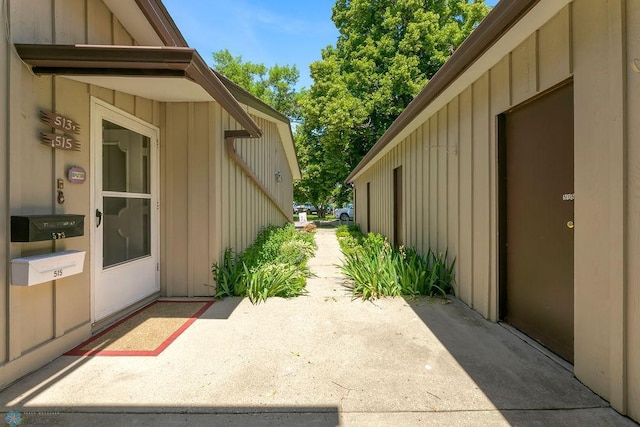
point(36, 269)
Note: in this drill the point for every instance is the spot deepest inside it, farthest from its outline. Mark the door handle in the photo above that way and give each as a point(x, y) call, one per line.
point(99, 218)
point(570, 224)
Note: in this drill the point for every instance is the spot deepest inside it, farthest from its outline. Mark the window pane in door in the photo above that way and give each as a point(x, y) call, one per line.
point(127, 229)
point(125, 160)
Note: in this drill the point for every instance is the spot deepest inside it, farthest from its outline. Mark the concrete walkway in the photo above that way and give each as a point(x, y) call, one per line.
point(319, 360)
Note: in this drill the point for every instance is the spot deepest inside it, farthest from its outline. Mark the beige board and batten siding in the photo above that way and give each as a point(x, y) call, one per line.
point(607, 344)
point(451, 178)
point(38, 323)
point(5, 85)
point(631, 292)
point(209, 202)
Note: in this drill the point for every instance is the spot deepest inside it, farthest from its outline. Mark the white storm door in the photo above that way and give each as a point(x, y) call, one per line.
point(126, 223)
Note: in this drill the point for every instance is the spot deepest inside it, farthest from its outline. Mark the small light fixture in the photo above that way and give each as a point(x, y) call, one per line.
point(278, 176)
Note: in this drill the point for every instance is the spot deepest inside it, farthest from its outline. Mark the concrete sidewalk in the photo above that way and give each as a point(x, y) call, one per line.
point(322, 359)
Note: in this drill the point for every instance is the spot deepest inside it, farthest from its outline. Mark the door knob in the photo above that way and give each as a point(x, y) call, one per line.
point(570, 224)
point(98, 218)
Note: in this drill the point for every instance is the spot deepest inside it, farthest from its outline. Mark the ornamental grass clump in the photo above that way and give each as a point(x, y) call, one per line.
point(376, 268)
point(274, 265)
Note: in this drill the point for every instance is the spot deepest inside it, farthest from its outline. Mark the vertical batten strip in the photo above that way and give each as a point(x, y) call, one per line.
point(433, 184)
point(426, 201)
point(618, 220)
point(492, 281)
point(191, 185)
point(536, 66)
point(472, 150)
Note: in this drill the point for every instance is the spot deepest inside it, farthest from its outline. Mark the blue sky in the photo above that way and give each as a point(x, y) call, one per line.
point(284, 32)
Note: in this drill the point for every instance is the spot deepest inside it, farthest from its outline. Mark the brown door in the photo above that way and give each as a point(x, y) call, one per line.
point(537, 156)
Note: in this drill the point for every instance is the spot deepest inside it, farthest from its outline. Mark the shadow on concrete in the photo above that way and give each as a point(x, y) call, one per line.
point(222, 308)
point(320, 416)
point(516, 377)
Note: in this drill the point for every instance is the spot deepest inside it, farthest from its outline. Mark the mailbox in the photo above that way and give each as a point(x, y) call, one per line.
point(36, 228)
point(29, 271)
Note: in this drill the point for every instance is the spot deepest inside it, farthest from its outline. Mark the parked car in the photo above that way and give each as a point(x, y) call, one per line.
point(345, 214)
point(328, 210)
point(308, 208)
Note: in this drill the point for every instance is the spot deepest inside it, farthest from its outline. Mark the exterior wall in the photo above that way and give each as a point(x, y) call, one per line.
point(4, 190)
point(40, 322)
point(630, 310)
point(208, 202)
point(450, 182)
point(249, 210)
point(599, 170)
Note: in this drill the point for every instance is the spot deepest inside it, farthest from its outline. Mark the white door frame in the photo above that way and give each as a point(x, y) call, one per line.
point(100, 110)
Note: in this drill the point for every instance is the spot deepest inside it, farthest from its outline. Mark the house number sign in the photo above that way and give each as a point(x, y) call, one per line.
point(59, 122)
point(56, 140)
point(62, 142)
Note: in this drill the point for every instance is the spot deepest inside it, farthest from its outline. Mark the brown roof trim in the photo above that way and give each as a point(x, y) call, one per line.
point(162, 23)
point(501, 18)
point(135, 61)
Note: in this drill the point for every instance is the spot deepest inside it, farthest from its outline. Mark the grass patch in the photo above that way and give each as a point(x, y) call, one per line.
point(376, 268)
point(274, 265)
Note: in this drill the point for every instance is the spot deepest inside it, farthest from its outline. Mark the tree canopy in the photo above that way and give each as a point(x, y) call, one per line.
point(275, 86)
point(387, 50)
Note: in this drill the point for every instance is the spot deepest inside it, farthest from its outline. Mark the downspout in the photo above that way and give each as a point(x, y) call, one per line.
point(230, 137)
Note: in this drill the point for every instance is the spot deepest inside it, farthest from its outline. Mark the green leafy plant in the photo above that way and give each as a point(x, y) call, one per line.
point(271, 280)
point(376, 268)
point(227, 274)
point(349, 237)
point(274, 265)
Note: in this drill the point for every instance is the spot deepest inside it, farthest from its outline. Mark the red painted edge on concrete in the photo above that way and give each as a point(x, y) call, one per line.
point(77, 351)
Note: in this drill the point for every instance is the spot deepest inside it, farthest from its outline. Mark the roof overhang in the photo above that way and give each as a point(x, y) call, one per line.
point(502, 30)
point(167, 74)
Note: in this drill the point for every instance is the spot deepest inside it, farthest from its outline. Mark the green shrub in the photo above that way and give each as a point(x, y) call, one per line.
point(377, 268)
point(274, 265)
point(349, 237)
point(295, 252)
point(228, 274)
point(274, 280)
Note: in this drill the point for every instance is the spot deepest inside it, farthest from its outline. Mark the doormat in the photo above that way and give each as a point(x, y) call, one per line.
point(147, 332)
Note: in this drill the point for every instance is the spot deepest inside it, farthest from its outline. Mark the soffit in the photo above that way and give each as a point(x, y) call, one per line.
point(160, 73)
point(147, 21)
point(163, 89)
point(135, 22)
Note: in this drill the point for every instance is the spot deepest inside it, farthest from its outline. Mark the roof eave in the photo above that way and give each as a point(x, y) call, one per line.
point(162, 23)
point(135, 61)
